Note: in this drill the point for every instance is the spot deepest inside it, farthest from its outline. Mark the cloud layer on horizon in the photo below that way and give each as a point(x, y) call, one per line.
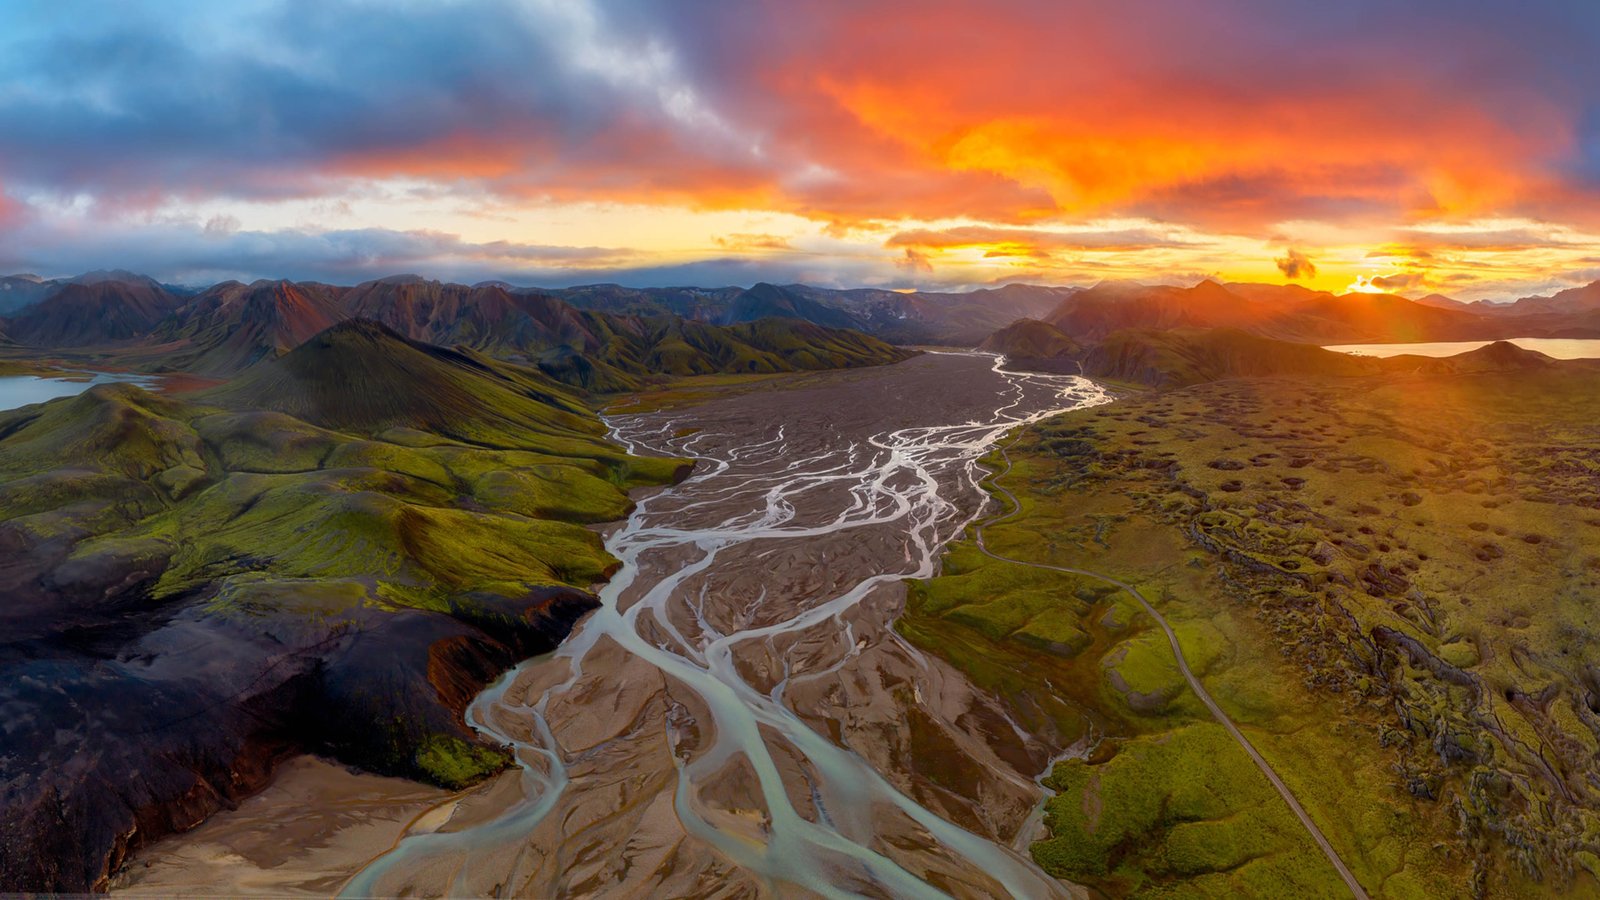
point(971, 134)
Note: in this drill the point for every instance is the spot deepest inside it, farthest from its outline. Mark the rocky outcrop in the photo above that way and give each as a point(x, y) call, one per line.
point(123, 731)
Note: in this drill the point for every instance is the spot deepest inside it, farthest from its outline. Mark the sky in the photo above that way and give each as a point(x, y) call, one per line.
point(1413, 147)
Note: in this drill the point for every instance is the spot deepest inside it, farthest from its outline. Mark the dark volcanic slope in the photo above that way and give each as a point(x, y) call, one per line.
point(1284, 312)
point(768, 300)
point(98, 309)
point(191, 593)
point(231, 326)
point(1193, 356)
point(1185, 356)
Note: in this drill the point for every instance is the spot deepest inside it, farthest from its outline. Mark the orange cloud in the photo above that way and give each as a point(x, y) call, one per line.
point(462, 155)
point(1067, 111)
point(1171, 149)
point(915, 261)
point(1034, 243)
point(753, 242)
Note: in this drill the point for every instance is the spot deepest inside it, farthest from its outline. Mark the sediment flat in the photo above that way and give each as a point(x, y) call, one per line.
point(302, 836)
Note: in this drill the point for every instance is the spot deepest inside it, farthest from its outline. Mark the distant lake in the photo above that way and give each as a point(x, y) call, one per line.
point(1560, 348)
point(21, 390)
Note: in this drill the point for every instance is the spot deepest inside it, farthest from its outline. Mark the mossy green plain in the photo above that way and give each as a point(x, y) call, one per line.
point(1381, 579)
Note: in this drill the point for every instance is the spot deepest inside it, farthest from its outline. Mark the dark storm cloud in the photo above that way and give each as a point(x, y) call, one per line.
point(1295, 264)
point(140, 100)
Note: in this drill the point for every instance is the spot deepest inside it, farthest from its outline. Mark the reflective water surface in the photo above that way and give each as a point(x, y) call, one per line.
point(1559, 348)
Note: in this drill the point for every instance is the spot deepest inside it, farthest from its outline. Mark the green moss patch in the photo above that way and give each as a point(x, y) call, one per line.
point(1183, 808)
point(453, 763)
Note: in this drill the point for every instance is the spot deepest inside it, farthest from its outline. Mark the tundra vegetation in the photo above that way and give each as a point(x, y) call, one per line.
point(1386, 581)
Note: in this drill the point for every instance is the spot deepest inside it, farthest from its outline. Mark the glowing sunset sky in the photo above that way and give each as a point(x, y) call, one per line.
point(1450, 146)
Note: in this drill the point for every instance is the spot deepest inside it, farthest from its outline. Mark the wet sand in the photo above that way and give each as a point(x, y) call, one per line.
point(315, 824)
point(740, 718)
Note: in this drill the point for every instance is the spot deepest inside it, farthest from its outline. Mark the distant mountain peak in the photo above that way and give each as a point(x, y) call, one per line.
point(365, 329)
point(1440, 301)
point(99, 276)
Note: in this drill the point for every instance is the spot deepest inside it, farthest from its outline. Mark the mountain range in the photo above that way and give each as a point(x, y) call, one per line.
point(916, 317)
point(266, 316)
point(229, 327)
point(1283, 312)
point(1182, 356)
point(612, 338)
point(1578, 300)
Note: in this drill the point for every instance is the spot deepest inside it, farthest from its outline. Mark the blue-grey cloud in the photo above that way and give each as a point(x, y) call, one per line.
point(188, 254)
point(194, 254)
point(145, 99)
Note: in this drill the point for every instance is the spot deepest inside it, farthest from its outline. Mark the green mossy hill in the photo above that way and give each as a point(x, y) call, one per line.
point(1500, 356)
point(1179, 814)
point(110, 429)
point(805, 346)
point(1031, 339)
point(361, 377)
point(1385, 581)
point(332, 554)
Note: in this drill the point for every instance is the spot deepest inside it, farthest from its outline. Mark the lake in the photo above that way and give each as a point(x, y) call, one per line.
point(1559, 348)
point(21, 390)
